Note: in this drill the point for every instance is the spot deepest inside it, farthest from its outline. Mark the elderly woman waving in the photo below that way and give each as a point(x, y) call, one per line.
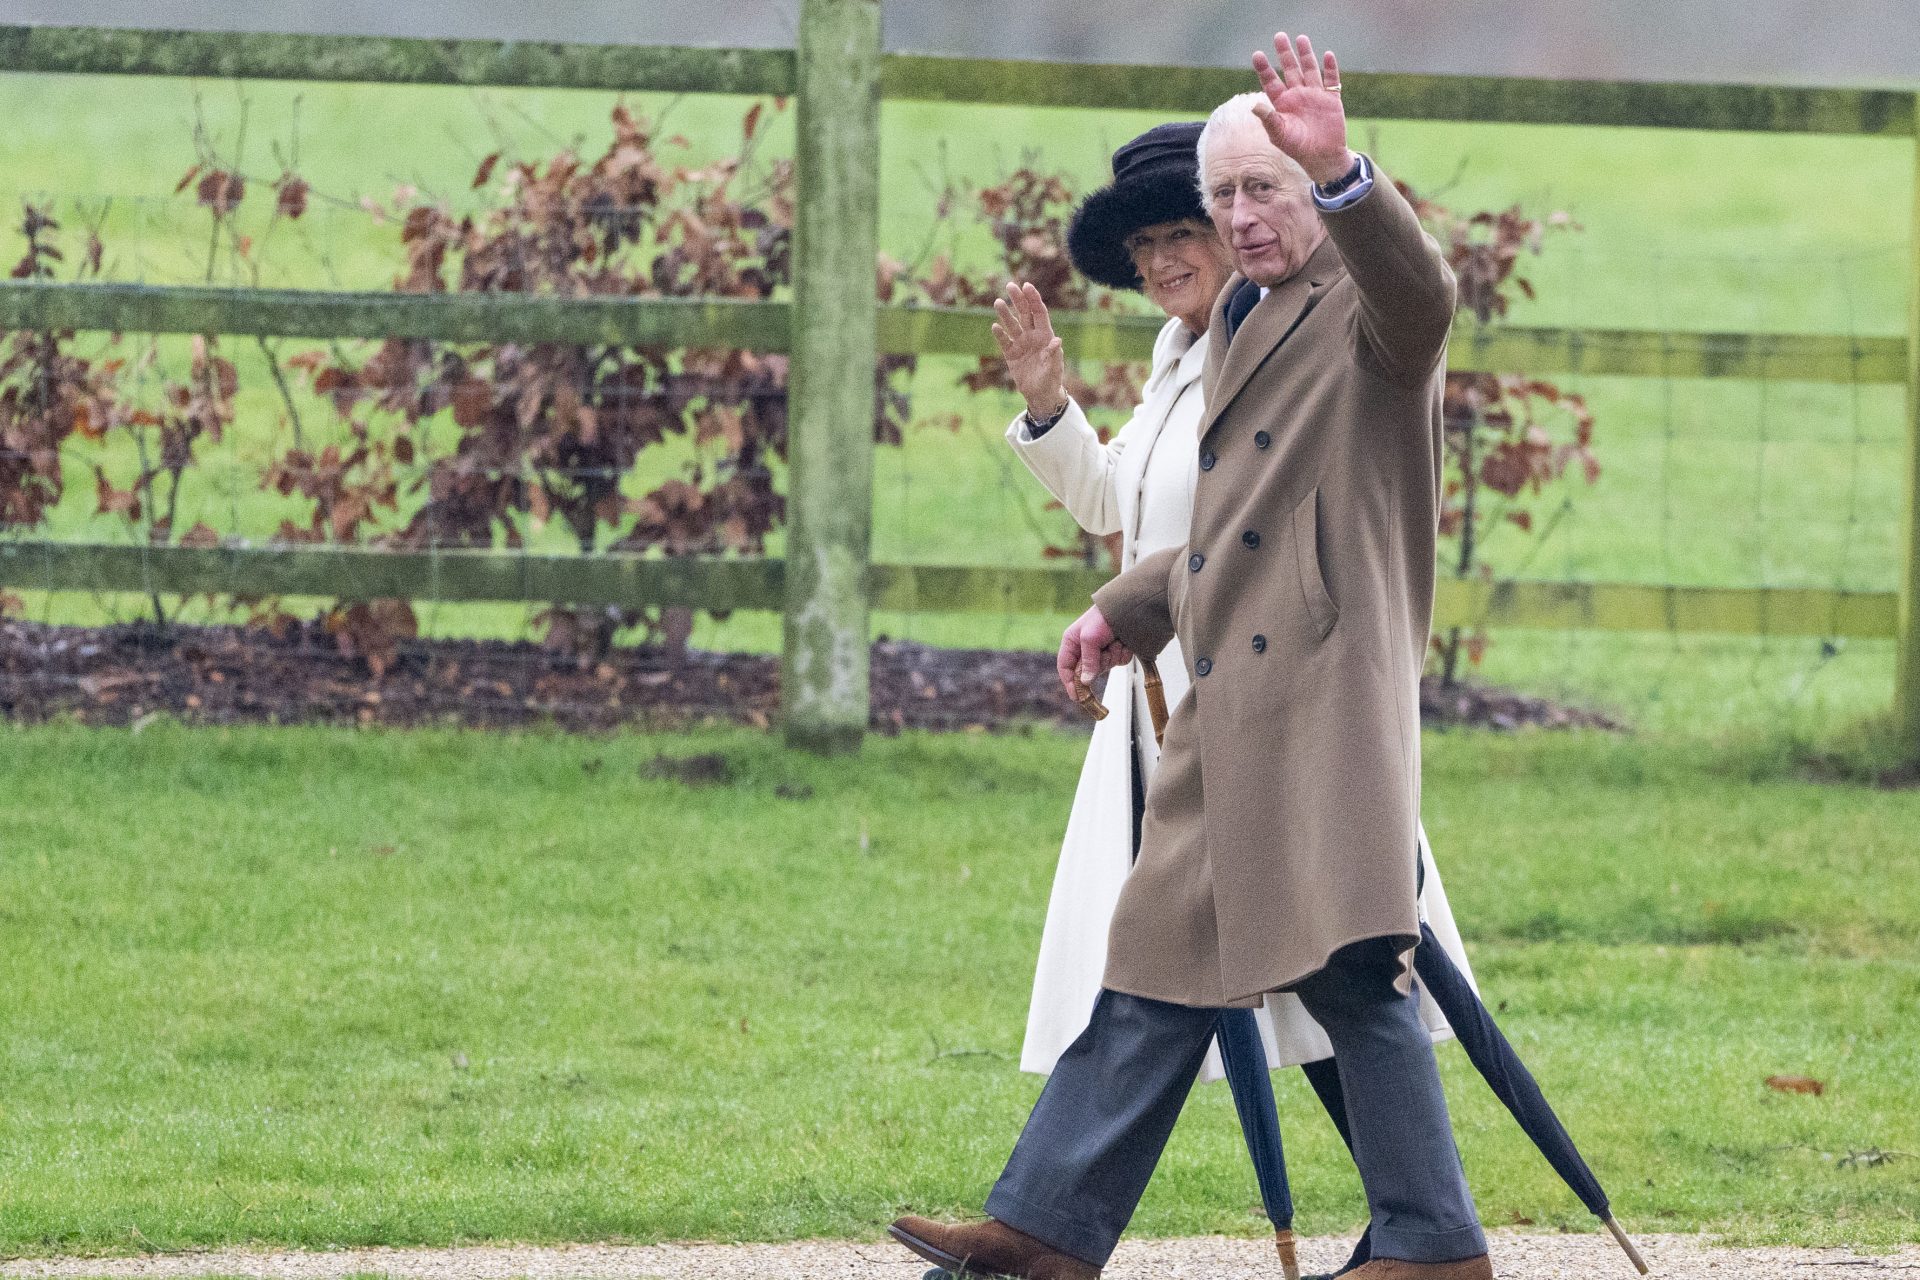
point(1147, 230)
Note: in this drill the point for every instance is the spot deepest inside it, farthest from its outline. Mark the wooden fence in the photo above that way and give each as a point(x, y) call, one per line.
point(826, 585)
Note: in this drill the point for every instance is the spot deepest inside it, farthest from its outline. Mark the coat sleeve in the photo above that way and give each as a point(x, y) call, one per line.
point(1074, 466)
point(1138, 604)
point(1406, 288)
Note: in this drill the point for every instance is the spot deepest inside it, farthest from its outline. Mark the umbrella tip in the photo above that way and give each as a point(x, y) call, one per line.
point(1633, 1254)
point(1289, 1260)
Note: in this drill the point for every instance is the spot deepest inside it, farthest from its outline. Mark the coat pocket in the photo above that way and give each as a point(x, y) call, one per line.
point(1306, 555)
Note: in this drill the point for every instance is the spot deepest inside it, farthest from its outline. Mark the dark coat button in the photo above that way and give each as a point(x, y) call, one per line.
point(1251, 538)
point(1261, 439)
point(1203, 666)
point(1195, 560)
point(1259, 644)
point(1206, 460)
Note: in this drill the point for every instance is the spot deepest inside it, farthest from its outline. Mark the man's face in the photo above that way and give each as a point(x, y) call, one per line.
point(1260, 204)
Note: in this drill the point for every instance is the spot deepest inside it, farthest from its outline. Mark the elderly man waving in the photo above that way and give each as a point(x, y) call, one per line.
point(1279, 850)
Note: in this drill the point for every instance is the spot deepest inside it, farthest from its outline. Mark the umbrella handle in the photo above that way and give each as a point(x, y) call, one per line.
point(1083, 695)
point(1289, 1261)
point(1157, 708)
point(1639, 1263)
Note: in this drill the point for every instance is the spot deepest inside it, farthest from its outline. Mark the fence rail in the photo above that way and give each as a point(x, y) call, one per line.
point(840, 76)
point(359, 573)
point(767, 326)
point(394, 60)
point(918, 77)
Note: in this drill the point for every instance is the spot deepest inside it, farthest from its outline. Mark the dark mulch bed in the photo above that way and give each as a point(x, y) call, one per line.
point(1833, 768)
point(236, 675)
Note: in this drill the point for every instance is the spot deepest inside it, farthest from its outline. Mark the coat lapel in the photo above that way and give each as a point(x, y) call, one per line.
point(1265, 328)
point(1171, 377)
point(1164, 400)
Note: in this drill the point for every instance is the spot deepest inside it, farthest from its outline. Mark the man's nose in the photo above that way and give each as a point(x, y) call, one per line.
point(1244, 215)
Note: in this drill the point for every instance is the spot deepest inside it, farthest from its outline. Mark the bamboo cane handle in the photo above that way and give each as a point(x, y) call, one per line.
point(1088, 703)
point(1157, 708)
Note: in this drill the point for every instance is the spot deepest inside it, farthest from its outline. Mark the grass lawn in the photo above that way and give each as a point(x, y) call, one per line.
point(323, 987)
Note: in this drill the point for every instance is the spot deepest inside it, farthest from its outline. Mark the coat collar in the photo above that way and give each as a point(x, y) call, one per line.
point(1179, 356)
point(1265, 328)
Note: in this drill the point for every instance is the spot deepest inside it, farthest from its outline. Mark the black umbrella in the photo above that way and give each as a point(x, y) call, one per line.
point(1245, 1061)
point(1493, 1056)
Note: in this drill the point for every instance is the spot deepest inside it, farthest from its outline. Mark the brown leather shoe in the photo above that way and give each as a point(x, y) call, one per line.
point(1478, 1267)
point(990, 1248)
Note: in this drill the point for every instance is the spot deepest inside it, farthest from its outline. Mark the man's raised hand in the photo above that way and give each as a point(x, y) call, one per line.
point(1303, 114)
point(1032, 352)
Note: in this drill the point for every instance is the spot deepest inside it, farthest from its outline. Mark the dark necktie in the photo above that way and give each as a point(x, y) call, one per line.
point(1243, 301)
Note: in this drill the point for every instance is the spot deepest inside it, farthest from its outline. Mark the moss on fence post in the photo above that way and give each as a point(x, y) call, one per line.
point(823, 677)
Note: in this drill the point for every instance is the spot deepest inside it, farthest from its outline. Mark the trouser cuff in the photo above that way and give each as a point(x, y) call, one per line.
point(1427, 1246)
point(1049, 1227)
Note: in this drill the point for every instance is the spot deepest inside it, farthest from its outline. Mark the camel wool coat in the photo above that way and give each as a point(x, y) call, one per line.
point(1282, 822)
point(1140, 484)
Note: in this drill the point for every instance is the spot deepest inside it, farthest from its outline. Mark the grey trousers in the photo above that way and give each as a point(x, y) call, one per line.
point(1096, 1133)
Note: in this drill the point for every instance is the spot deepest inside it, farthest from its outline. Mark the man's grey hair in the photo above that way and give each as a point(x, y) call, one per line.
point(1233, 111)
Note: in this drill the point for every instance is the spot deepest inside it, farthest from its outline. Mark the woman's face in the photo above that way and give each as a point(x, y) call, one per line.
point(1183, 265)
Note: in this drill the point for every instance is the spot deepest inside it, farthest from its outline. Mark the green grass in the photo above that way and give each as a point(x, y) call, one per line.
point(319, 987)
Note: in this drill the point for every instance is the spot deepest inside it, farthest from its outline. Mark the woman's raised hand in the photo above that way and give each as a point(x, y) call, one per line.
point(1031, 349)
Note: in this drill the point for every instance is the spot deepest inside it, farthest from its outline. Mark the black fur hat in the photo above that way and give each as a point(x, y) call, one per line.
point(1155, 180)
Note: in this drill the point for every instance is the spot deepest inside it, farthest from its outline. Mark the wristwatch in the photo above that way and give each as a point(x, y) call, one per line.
point(1328, 190)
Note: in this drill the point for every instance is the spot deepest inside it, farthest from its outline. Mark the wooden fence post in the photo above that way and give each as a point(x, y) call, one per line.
point(823, 675)
point(1906, 694)
point(1906, 688)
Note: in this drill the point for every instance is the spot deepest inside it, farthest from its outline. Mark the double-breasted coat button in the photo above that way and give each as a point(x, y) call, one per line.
point(1259, 644)
point(1203, 666)
point(1261, 439)
point(1251, 538)
point(1194, 561)
point(1206, 460)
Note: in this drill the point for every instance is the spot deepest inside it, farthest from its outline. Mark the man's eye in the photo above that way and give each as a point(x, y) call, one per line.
point(1180, 233)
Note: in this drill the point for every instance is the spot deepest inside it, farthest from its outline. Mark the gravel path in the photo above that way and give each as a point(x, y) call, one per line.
point(1516, 1256)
